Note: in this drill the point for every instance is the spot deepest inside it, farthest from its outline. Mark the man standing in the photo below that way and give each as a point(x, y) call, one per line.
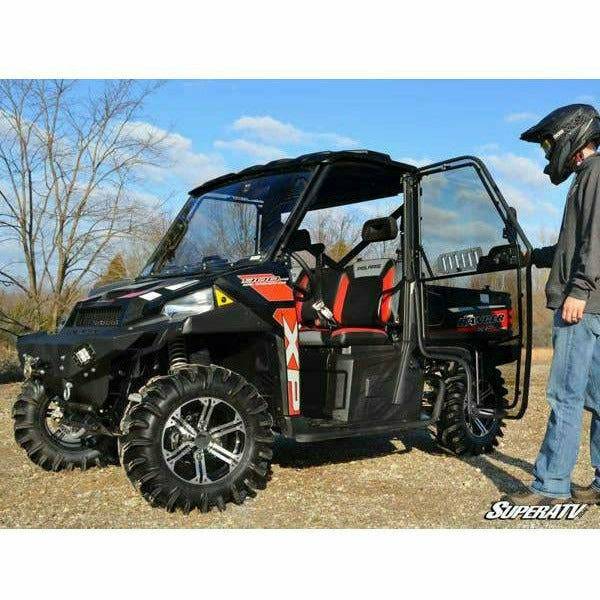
point(569, 137)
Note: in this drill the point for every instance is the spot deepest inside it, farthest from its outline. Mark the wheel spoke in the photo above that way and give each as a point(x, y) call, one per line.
point(60, 432)
point(207, 449)
point(223, 454)
point(221, 430)
point(208, 405)
point(486, 393)
point(178, 453)
point(200, 462)
point(181, 424)
point(480, 425)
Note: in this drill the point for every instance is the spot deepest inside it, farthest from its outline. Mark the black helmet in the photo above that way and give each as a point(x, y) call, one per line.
point(562, 134)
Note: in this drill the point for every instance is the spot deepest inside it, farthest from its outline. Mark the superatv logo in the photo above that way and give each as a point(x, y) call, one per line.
point(504, 510)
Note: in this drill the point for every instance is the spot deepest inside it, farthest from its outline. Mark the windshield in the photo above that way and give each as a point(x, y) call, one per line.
point(228, 224)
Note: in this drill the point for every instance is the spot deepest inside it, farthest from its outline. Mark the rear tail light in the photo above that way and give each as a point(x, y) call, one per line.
point(504, 316)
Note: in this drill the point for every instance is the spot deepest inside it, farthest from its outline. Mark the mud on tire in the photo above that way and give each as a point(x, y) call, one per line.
point(165, 417)
point(29, 413)
point(456, 433)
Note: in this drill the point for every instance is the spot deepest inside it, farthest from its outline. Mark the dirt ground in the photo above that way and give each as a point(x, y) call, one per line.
point(371, 482)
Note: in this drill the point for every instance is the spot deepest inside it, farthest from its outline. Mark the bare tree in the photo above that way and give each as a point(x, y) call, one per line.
point(334, 228)
point(136, 251)
point(68, 157)
point(233, 229)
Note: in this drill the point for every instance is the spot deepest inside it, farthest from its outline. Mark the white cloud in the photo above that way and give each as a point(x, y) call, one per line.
point(550, 208)
point(517, 198)
point(260, 151)
point(517, 117)
point(586, 98)
point(490, 147)
point(416, 162)
point(182, 161)
point(517, 168)
point(444, 228)
point(519, 179)
point(270, 130)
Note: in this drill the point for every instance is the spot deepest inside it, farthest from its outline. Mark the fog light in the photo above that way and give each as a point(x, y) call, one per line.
point(84, 355)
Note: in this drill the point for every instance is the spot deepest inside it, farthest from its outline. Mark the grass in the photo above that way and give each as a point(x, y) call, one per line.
point(10, 369)
point(541, 356)
point(380, 481)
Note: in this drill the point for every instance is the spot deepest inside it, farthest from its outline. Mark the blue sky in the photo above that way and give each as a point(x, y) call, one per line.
point(220, 126)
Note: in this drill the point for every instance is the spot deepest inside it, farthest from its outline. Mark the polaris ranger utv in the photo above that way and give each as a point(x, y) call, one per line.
point(333, 295)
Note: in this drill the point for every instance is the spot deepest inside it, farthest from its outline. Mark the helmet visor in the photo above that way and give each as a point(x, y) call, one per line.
point(547, 145)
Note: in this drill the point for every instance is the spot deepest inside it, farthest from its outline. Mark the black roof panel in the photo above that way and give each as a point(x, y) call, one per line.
point(306, 160)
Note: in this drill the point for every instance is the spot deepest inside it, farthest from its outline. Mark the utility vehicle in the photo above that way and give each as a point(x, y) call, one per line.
point(333, 295)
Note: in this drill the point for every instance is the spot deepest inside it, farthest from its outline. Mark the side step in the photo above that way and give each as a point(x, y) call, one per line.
point(302, 430)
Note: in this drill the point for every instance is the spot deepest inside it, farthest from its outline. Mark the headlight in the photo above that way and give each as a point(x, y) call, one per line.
point(193, 304)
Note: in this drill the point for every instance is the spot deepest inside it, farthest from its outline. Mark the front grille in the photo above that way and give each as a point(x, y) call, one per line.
point(97, 316)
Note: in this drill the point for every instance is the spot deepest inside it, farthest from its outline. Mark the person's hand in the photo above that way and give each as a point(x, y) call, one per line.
point(572, 310)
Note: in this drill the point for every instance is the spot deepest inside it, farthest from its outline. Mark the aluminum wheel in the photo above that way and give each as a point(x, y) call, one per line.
point(203, 440)
point(481, 426)
point(69, 436)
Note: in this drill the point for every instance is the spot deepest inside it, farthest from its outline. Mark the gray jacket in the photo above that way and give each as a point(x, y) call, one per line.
point(575, 259)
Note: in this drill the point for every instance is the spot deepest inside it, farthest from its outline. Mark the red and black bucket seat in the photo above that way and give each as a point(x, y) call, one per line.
point(360, 298)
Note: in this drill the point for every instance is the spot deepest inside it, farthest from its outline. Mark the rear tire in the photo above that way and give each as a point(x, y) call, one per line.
point(175, 461)
point(45, 448)
point(457, 432)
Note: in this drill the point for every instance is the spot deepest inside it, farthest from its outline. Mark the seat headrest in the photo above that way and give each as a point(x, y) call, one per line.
point(374, 267)
point(299, 241)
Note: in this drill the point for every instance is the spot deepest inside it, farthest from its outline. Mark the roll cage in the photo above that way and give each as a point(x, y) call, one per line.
point(326, 189)
point(516, 238)
point(330, 186)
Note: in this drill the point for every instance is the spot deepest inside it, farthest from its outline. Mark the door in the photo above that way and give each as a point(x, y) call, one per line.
point(475, 285)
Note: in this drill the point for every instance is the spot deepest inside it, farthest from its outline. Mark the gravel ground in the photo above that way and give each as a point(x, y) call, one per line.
point(371, 482)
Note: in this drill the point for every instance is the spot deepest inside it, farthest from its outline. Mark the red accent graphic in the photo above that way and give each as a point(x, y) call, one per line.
point(506, 316)
point(287, 318)
point(299, 297)
point(137, 293)
point(342, 330)
point(340, 297)
point(269, 286)
point(496, 320)
point(386, 301)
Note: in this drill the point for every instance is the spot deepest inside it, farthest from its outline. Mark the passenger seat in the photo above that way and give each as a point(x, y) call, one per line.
point(361, 306)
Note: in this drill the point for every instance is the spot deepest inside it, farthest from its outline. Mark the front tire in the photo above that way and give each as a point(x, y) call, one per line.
point(200, 437)
point(51, 444)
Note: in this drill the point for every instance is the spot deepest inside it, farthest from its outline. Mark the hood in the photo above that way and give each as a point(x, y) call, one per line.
point(125, 302)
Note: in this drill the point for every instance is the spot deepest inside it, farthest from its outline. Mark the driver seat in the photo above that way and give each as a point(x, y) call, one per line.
point(326, 279)
point(359, 297)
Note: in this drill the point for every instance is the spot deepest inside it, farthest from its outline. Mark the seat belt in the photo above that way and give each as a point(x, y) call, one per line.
point(319, 306)
point(325, 314)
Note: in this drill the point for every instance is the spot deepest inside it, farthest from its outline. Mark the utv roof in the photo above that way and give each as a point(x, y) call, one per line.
point(307, 160)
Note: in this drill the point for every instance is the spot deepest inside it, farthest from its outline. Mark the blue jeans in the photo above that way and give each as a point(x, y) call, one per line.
point(574, 383)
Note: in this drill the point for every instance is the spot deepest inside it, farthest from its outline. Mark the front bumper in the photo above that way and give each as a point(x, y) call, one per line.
point(87, 358)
